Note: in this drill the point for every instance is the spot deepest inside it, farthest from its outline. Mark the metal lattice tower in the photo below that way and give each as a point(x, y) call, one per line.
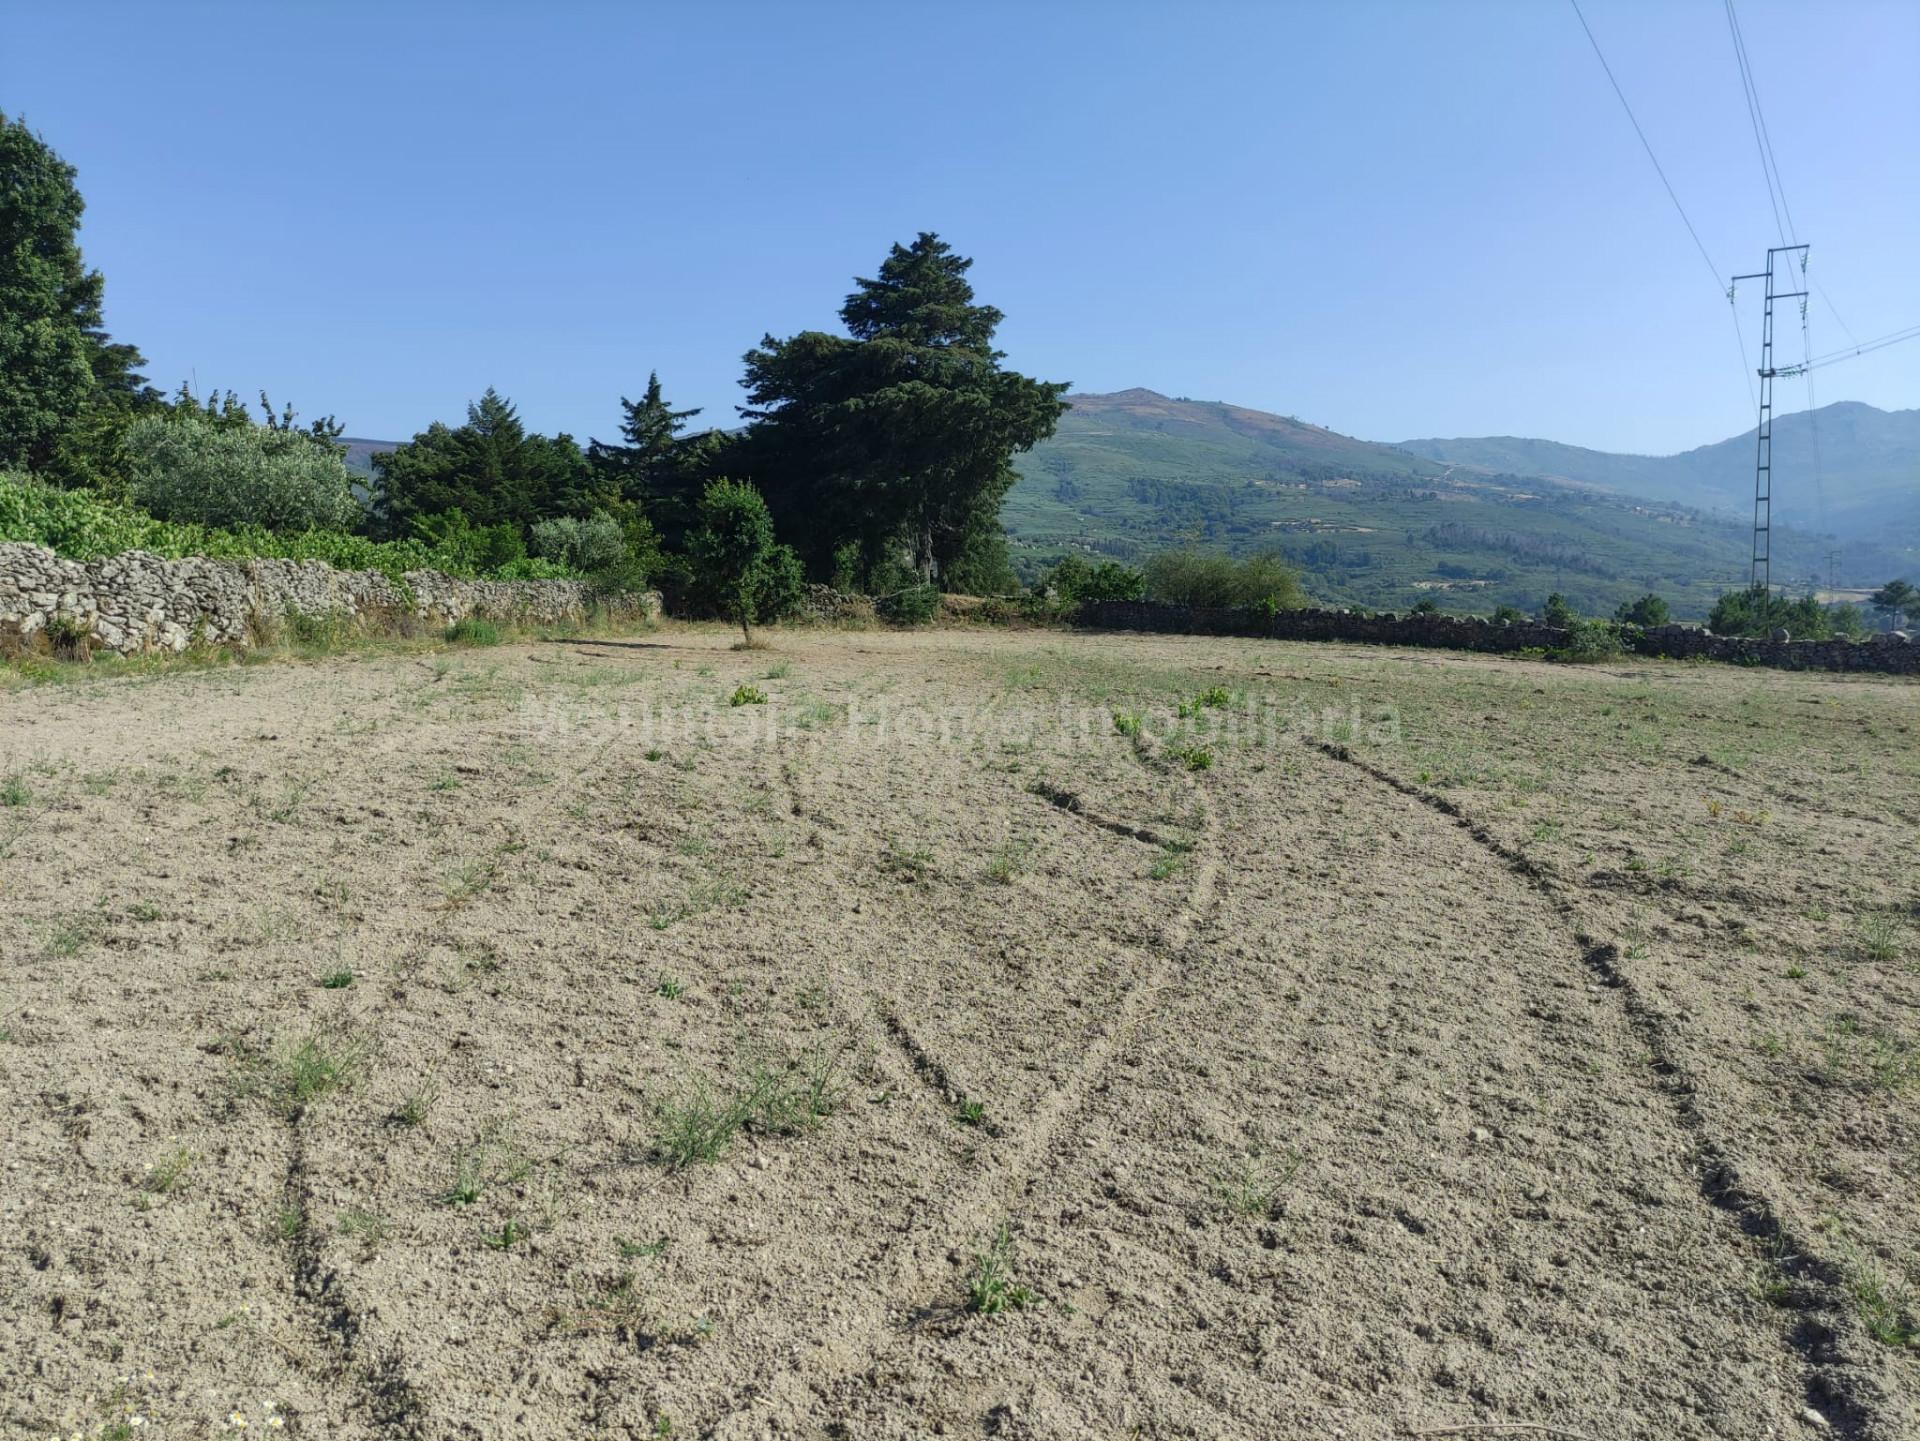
point(1762, 573)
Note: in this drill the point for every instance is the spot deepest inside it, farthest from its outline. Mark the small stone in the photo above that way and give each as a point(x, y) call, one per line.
point(1480, 1135)
point(1813, 1418)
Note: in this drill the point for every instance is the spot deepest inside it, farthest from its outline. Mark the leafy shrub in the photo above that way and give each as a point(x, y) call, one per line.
point(615, 553)
point(1648, 611)
point(472, 548)
point(910, 605)
point(1757, 611)
point(983, 566)
point(1209, 578)
point(1591, 640)
point(1556, 612)
point(1509, 615)
point(590, 546)
point(1073, 580)
point(84, 525)
point(528, 567)
point(184, 469)
point(747, 695)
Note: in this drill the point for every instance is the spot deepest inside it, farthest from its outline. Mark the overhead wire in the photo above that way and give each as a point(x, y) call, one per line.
point(1762, 138)
point(1848, 352)
point(1719, 284)
point(1646, 144)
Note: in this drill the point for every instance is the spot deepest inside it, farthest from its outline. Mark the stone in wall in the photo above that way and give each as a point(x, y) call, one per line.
point(136, 602)
point(1894, 656)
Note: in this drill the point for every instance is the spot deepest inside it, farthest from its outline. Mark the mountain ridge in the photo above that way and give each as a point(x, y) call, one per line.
point(1129, 472)
point(1848, 468)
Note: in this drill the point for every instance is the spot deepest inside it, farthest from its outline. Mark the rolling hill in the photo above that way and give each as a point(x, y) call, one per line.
point(1382, 525)
point(1865, 484)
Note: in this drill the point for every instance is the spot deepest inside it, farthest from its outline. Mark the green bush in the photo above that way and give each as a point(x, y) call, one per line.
point(185, 470)
point(910, 605)
point(1648, 611)
point(592, 546)
point(1209, 578)
point(1591, 640)
point(616, 552)
point(471, 548)
point(84, 525)
point(1758, 612)
point(473, 631)
point(1073, 579)
point(1556, 612)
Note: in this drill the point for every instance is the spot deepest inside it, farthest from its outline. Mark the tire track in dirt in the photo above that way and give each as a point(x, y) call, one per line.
point(912, 1061)
point(382, 1381)
point(915, 1061)
point(385, 1393)
point(1069, 801)
point(1324, 974)
point(920, 1261)
point(1828, 1385)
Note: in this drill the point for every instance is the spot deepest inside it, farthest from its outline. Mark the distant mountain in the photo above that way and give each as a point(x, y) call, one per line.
point(1866, 482)
point(360, 453)
point(1498, 522)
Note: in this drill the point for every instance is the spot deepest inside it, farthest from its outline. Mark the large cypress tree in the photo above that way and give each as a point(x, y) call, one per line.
point(901, 434)
point(57, 365)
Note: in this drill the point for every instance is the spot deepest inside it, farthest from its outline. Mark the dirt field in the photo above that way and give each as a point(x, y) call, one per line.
point(530, 1043)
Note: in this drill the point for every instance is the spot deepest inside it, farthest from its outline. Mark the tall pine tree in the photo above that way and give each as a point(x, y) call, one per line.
point(658, 469)
point(901, 434)
point(57, 366)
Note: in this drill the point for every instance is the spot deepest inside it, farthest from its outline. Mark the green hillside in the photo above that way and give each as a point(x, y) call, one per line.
point(1848, 469)
point(1376, 525)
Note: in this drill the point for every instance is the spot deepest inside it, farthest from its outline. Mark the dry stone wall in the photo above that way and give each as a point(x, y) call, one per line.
point(137, 602)
point(1887, 654)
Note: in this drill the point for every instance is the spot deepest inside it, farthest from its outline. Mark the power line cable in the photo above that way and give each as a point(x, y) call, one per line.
point(1834, 357)
point(1725, 289)
point(1646, 144)
point(1762, 138)
point(1845, 329)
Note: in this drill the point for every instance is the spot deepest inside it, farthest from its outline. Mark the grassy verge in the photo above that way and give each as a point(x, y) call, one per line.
point(304, 639)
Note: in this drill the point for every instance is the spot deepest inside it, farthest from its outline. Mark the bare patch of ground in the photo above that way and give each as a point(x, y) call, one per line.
point(985, 1034)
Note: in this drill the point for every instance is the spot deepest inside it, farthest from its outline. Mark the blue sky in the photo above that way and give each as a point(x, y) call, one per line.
point(1396, 219)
